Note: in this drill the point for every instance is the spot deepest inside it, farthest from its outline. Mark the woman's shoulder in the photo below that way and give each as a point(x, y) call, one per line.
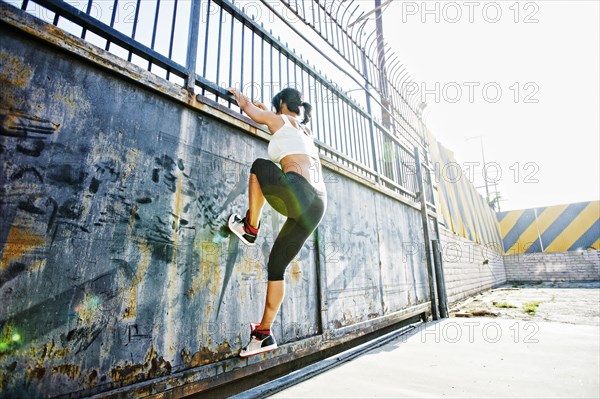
point(275, 122)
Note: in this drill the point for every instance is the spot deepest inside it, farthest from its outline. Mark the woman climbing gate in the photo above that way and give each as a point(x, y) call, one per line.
point(296, 190)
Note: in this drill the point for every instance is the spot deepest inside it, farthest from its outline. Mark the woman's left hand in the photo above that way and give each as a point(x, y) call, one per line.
point(260, 105)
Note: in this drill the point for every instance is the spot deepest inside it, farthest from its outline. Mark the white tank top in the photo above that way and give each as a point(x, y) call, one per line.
point(289, 140)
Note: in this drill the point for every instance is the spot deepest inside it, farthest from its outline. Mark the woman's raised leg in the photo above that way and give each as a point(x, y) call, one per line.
point(256, 201)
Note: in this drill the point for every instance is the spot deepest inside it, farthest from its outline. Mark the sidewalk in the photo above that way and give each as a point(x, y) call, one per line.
point(554, 353)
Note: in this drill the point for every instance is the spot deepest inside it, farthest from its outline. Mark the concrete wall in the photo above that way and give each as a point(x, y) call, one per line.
point(115, 265)
point(550, 266)
point(464, 269)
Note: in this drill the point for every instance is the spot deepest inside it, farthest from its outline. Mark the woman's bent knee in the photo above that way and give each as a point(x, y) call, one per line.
point(260, 166)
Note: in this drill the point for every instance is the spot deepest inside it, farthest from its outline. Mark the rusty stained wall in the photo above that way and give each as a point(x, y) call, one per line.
point(115, 265)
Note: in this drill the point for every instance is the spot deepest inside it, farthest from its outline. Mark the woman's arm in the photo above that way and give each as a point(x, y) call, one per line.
point(257, 114)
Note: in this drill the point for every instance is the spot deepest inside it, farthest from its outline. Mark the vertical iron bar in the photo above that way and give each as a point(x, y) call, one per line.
point(87, 11)
point(342, 126)
point(333, 116)
point(296, 75)
point(354, 146)
point(325, 114)
point(326, 22)
point(252, 68)
point(24, 5)
point(314, 105)
point(242, 58)
point(319, 18)
point(365, 143)
point(135, 21)
point(302, 85)
point(318, 101)
point(287, 70)
point(348, 130)
point(280, 78)
point(192, 50)
point(112, 21)
point(371, 124)
point(231, 52)
point(154, 30)
point(172, 34)
point(206, 42)
point(262, 70)
point(304, 11)
point(218, 77)
point(339, 45)
point(271, 70)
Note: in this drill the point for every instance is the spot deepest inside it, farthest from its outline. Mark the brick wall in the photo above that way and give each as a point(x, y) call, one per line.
point(549, 266)
point(464, 269)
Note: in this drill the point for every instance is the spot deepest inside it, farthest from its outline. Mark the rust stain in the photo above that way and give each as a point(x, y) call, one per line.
point(70, 370)
point(35, 373)
point(128, 373)
point(159, 367)
point(177, 209)
point(154, 366)
point(142, 267)
point(17, 243)
point(131, 309)
point(46, 350)
point(295, 271)
point(206, 355)
point(49, 351)
point(16, 72)
point(146, 252)
point(38, 265)
point(209, 272)
point(92, 378)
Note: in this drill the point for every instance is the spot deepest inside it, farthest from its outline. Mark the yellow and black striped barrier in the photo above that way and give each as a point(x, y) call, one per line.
point(558, 228)
point(462, 208)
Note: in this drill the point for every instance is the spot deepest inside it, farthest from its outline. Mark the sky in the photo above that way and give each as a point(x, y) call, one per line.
point(524, 77)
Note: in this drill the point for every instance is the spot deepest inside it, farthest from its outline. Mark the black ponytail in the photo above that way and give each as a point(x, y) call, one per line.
point(276, 102)
point(292, 98)
point(307, 110)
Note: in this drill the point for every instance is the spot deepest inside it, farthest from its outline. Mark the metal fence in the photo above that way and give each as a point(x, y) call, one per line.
point(225, 46)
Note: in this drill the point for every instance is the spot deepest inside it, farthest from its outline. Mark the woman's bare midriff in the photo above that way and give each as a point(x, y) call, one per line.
point(306, 166)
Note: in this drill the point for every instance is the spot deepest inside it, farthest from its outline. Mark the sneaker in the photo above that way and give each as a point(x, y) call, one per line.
point(241, 228)
point(259, 343)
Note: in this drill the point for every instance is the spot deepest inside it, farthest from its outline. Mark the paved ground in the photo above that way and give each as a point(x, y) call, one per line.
point(554, 353)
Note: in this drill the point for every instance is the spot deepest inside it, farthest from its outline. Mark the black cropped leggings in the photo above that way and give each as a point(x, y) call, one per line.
point(293, 196)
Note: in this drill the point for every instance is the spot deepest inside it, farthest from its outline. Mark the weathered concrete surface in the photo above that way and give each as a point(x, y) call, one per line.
point(115, 268)
point(565, 302)
point(516, 355)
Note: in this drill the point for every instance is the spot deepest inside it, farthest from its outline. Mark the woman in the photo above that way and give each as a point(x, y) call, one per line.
point(296, 190)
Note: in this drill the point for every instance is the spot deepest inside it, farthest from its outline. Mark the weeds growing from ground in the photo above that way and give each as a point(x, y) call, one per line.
point(530, 307)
